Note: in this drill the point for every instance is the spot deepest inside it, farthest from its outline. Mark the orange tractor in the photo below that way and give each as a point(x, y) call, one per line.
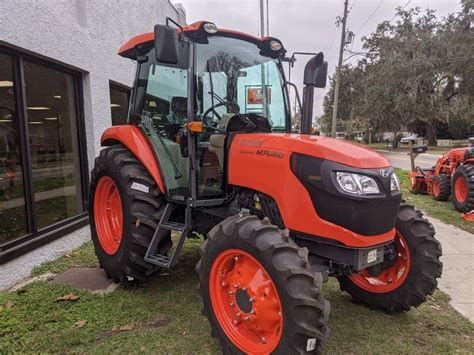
point(208, 149)
point(453, 175)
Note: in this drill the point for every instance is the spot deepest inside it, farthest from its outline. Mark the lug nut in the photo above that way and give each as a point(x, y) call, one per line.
point(231, 292)
point(232, 304)
point(247, 318)
point(279, 314)
point(252, 312)
point(235, 285)
point(264, 341)
point(238, 314)
point(251, 299)
point(235, 322)
point(236, 258)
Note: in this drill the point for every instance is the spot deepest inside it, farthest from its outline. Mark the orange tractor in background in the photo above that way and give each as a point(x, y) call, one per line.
point(453, 175)
point(209, 149)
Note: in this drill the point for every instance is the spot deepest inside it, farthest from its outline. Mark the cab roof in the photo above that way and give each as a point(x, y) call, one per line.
point(132, 47)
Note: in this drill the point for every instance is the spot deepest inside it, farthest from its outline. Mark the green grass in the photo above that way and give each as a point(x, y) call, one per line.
point(165, 317)
point(444, 211)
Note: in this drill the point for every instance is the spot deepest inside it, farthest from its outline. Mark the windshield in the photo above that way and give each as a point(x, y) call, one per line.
point(231, 77)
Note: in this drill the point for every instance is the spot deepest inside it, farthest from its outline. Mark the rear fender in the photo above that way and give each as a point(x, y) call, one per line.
point(133, 138)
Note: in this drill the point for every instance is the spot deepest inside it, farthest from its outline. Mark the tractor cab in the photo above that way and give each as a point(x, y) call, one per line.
point(196, 87)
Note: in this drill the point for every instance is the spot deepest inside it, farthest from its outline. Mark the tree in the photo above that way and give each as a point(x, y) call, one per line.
point(417, 73)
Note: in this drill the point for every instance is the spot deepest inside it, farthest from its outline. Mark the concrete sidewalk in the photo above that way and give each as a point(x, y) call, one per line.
point(458, 266)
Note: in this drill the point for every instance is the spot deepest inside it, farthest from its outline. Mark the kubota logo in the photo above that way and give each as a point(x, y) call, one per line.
point(383, 173)
point(270, 153)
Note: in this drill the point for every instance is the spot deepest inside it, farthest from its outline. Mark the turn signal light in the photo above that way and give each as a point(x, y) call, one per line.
point(195, 126)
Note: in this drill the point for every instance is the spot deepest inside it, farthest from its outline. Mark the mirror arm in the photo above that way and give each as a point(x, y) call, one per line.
point(296, 93)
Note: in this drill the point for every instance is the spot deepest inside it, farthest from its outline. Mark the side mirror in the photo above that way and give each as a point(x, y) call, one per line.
point(316, 71)
point(315, 74)
point(166, 44)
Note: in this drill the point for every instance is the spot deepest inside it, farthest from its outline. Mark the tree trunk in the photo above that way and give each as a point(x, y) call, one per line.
point(431, 135)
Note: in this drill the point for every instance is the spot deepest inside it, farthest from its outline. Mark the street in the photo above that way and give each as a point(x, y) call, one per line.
point(402, 159)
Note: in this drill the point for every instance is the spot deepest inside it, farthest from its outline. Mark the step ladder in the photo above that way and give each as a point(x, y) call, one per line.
point(165, 224)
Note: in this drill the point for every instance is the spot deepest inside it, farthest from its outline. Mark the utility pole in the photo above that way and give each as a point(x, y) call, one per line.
point(338, 70)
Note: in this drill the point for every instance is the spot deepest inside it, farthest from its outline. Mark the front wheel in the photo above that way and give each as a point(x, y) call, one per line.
point(441, 188)
point(405, 281)
point(463, 188)
point(259, 292)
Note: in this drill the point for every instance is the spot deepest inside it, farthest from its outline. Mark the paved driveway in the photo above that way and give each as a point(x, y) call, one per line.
point(402, 159)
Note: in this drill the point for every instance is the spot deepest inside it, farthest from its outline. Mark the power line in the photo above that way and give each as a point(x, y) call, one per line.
point(409, 1)
point(330, 41)
point(352, 5)
point(368, 19)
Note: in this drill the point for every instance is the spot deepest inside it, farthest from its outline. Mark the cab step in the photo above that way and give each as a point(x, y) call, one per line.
point(166, 261)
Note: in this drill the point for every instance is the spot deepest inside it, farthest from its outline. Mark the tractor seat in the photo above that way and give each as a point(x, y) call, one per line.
point(179, 110)
point(217, 140)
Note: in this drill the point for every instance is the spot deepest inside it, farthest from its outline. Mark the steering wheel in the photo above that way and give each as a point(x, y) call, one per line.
point(208, 121)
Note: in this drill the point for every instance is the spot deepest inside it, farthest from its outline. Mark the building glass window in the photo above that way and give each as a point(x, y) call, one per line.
point(52, 126)
point(119, 99)
point(43, 174)
point(13, 220)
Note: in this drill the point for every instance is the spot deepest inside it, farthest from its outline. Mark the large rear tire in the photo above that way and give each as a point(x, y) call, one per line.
point(259, 292)
point(125, 205)
point(411, 277)
point(463, 188)
point(441, 188)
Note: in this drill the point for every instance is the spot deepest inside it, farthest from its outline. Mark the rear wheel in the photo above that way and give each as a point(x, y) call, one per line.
point(410, 277)
point(125, 207)
point(463, 188)
point(440, 188)
point(259, 292)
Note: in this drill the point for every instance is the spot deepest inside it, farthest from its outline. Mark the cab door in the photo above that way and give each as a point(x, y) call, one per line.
point(161, 99)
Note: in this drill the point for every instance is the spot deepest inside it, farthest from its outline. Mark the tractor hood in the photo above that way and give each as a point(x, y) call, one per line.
point(336, 150)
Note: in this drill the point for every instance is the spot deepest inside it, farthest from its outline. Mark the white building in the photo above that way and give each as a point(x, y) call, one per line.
point(61, 85)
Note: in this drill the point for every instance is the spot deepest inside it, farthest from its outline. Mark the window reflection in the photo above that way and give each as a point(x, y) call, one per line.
point(13, 222)
point(53, 140)
point(119, 98)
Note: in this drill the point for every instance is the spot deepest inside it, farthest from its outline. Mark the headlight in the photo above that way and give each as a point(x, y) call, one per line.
point(394, 183)
point(357, 184)
point(210, 28)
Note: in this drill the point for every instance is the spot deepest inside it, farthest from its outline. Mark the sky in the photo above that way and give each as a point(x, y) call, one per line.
point(308, 25)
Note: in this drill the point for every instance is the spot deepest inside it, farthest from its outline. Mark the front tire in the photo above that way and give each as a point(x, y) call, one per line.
point(412, 275)
point(463, 188)
point(441, 188)
point(125, 205)
point(259, 292)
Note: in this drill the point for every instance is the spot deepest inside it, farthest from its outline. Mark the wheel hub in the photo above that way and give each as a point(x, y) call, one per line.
point(389, 277)
point(108, 216)
point(245, 302)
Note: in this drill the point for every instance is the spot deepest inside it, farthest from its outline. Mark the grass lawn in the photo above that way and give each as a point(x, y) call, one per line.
point(164, 316)
point(443, 211)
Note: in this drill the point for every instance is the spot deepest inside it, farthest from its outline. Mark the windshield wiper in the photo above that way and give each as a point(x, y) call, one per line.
point(232, 109)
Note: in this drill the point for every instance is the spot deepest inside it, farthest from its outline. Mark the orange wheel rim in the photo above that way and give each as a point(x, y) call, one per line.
point(245, 302)
point(108, 216)
point(390, 278)
point(436, 190)
point(460, 189)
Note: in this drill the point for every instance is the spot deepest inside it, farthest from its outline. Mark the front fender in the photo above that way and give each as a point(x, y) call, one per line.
point(134, 139)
